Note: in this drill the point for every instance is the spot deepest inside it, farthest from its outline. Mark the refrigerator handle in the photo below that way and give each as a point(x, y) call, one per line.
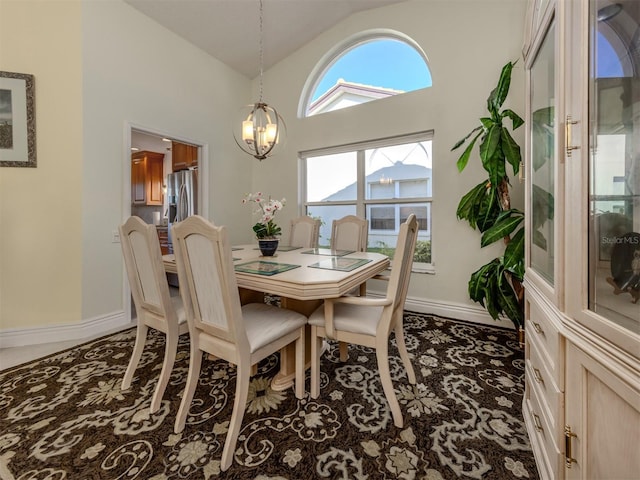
point(182, 204)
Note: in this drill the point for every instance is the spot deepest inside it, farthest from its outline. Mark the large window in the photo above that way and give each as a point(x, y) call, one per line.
point(383, 181)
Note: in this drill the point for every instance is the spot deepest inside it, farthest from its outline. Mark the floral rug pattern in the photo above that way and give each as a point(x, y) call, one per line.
point(65, 416)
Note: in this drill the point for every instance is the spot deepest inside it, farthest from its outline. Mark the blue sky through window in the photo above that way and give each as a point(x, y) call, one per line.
point(608, 63)
point(382, 63)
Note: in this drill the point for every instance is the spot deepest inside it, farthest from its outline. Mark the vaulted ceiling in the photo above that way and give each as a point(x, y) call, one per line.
point(229, 29)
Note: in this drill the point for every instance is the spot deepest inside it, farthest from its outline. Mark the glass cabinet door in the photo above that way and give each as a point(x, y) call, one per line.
point(614, 165)
point(542, 157)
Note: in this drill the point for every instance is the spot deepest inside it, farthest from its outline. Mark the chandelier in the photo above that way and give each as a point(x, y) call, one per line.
point(261, 127)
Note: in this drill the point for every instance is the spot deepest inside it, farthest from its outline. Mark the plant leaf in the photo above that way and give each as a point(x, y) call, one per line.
point(499, 94)
point(478, 282)
point(487, 122)
point(538, 239)
point(516, 120)
point(513, 259)
point(464, 158)
point(460, 142)
point(508, 302)
point(500, 230)
point(467, 207)
point(489, 146)
point(488, 209)
point(511, 150)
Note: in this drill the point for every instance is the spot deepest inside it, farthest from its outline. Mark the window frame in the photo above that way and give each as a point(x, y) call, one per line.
point(361, 202)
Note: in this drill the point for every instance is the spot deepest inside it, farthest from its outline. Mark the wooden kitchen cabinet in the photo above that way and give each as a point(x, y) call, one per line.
point(147, 178)
point(183, 156)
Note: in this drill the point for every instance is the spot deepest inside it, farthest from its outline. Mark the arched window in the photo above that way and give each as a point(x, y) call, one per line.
point(369, 66)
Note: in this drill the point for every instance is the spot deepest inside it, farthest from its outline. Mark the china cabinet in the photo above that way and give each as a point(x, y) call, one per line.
point(582, 283)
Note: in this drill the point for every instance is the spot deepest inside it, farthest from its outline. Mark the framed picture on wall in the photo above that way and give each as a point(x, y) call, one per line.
point(17, 120)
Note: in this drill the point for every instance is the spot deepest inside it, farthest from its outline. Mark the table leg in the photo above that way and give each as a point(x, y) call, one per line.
point(286, 376)
point(250, 296)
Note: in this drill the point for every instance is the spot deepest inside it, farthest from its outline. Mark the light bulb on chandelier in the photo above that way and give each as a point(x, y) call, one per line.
point(261, 127)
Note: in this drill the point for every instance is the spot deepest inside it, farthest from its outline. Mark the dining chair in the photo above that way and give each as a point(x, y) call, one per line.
point(219, 325)
point(369, 321)
point(155, 307)
point(304, 232)
point(350, 233)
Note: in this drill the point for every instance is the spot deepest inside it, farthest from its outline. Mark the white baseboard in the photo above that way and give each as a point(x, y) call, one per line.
point(115, 321)
point(457, 311)
point(93, 327)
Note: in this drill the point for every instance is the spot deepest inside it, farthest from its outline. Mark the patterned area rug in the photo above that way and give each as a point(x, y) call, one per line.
point(65, 417)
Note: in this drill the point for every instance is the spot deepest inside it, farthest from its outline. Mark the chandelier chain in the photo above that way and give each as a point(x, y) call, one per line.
point(261, 50)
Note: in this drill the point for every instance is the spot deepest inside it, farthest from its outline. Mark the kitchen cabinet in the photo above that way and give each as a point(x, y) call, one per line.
point(183, 156)
point(147, 178)
point(582, 203)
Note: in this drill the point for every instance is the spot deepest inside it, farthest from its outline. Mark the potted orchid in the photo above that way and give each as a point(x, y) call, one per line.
point(266, 230)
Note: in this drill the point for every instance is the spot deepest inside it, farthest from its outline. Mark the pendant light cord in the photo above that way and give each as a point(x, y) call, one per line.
point(261, 52)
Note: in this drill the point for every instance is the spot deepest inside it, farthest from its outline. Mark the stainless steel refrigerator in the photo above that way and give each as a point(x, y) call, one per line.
point(182, 197)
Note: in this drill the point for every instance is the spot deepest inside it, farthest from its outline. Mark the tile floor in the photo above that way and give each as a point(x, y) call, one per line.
point(10, 357)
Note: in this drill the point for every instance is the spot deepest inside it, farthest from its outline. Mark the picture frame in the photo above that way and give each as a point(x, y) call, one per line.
point(17, 120)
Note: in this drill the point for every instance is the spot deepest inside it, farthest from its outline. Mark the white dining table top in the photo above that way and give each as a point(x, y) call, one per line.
point(306, 281)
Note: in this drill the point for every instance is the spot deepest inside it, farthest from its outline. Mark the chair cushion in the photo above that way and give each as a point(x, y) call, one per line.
point(266, 323)
point(350, 318)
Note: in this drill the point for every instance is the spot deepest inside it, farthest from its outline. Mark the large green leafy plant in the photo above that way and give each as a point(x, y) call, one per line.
point(487, 207)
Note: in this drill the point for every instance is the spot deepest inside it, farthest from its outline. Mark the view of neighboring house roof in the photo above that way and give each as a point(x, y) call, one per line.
point(395, 172)
point(345, 93)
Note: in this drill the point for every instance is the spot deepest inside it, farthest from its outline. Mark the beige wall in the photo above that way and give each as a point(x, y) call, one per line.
point(40, 208)
point(136, 71)
point(102, 66)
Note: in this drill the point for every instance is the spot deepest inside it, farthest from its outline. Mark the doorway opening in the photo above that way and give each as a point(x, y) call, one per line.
point(156, 166)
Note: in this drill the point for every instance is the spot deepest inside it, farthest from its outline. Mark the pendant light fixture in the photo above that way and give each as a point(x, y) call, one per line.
point(260, 128)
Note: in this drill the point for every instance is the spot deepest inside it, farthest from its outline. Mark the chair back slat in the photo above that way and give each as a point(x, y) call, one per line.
point(207, 279)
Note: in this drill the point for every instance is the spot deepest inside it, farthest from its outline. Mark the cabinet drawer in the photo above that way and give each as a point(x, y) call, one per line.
point(540, 328)
point(543, 382)
point(549, 459)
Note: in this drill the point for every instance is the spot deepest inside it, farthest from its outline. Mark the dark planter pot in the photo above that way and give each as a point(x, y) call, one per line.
point(268, 247)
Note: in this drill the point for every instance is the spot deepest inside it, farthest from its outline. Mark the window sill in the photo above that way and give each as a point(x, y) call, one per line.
point(424, 268)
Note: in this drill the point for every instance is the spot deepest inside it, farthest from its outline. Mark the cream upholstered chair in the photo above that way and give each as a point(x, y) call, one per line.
point(155, 307)
point(218, 324)
point(370, 321)
point(350, 233)
point(304, 232)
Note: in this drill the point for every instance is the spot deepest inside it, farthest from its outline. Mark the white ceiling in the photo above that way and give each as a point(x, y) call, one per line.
point(229, 29)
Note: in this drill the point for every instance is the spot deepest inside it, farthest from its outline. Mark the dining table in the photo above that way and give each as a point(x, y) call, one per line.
point(302, 278)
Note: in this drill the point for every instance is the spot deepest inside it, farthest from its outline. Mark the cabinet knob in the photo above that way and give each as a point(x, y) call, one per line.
point(537, 375)
point(537, 423)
